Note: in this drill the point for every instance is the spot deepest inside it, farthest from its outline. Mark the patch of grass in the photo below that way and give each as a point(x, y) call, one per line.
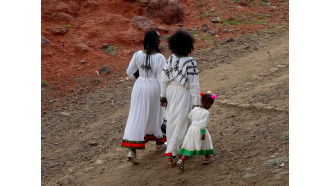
point(283, 135)
point(204, 50)
point(204, 14)
point(259, 22)
point(261, 16)
point(213, 13)
point(208, 38)
point(201, 3)
point(222, 4)
point(194, 33)
point(248, 176)
point(276, 170)
point(208, 13)
point(274, 29)
point(230, 22)
point(218, 45)
point(277, 161)
point(250, 14)
point(240, 16)
point(256, 4)
point(236, 1)
point(68, 26)
point(254, 35)
point(266, 2)
point(110, 50)
point(44, 83)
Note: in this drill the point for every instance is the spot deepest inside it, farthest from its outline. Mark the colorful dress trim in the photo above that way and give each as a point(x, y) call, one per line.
point(141, 144)
point(195, 152)
point(133, 144)
point(153, 138)
point(168, 154)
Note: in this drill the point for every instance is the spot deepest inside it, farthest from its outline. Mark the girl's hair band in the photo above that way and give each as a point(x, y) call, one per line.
point(213, 96)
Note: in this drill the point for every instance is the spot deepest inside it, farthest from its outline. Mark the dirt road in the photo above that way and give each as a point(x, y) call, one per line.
point(249, 125)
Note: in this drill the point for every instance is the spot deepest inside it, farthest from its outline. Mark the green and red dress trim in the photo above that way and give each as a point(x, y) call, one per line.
point(141, 144)
point(195, 152)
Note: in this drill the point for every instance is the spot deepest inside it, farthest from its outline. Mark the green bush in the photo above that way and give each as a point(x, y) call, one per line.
point(68, 26)
point(44, 83)
point(110, 50)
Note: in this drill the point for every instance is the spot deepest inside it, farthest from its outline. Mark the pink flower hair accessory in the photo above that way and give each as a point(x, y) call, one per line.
point(214, 96)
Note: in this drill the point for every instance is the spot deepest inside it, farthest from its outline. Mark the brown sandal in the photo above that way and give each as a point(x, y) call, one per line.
point(172, 161)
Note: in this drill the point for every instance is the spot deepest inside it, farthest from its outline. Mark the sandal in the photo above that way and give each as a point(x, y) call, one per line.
point(171, 161)
point(180, 164)
point(131, 157)
point(207, 160)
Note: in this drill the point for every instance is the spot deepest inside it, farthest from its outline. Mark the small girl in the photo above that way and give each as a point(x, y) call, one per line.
point(198, 140)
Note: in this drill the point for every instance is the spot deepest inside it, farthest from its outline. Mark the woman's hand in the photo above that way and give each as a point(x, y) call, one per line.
point(203, 137)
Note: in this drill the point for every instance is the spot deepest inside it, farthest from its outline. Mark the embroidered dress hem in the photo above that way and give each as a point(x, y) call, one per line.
point(196, 152)
point(133, 144)
point(141, 144)
point(153, 138)
point(168, 154)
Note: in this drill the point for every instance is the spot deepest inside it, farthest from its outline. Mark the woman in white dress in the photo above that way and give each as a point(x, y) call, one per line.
point(145, 114)
point(179, 91)
point(197, 141)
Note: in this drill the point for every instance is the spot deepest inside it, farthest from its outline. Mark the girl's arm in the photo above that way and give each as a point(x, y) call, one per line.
point(132, 67)
point(203, 122)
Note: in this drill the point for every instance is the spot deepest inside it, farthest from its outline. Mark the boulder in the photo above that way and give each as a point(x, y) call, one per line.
point(81, 47)
point(230, 39)
point(215, 20)
point(64, 17)
point(205, 27)
point(45, 41)
point(169, 11)
point(59, 30)
point(104, 70)
point(143, 23)
point(162, 29)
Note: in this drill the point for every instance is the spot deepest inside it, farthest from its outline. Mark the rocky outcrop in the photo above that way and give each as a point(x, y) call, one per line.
point(143, 23)
point(169, 11)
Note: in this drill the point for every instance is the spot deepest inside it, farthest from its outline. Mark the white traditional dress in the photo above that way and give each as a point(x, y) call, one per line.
point(180, 85)
point(192, 144)
point(145, 114)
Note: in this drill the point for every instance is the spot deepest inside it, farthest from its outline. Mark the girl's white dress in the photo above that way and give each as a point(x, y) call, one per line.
point(145, 115)
point(192, 144)
point(180, 85)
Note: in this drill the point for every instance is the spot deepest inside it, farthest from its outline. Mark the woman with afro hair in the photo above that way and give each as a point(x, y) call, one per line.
point(179, 90)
